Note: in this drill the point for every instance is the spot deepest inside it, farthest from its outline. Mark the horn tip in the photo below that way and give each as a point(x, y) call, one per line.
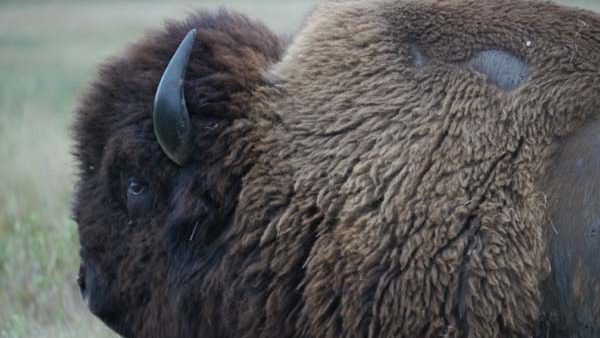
point(192, 33)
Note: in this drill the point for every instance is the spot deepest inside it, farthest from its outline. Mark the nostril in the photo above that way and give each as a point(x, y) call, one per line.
point(97, 297)
point(81, 280)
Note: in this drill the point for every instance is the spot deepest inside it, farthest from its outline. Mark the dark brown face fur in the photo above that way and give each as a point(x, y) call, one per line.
point(382, 179)
point(141, 217)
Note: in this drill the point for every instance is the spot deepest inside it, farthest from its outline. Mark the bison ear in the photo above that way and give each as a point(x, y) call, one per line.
point(171, 118)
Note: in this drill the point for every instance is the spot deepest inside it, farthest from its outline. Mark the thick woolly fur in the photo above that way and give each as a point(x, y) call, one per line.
point(346, 189)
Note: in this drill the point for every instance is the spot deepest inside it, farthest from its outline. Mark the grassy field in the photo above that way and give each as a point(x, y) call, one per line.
point(48, 51)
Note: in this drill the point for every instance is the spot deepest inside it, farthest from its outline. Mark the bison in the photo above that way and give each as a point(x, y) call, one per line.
point(400, 169)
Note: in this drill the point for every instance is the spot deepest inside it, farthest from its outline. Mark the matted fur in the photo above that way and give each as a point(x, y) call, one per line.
point(344, 190)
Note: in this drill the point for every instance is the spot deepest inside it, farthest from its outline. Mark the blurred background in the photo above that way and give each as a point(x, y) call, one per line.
point(48, 53)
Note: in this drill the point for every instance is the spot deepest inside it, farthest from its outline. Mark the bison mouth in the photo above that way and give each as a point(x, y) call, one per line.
point(97, 296)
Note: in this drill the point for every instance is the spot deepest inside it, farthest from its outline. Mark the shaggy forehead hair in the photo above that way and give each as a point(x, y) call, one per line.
point(373, 182)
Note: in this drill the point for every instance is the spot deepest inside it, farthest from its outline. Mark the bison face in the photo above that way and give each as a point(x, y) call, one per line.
point(144, 210)
point(120, 227)
point(133, 219)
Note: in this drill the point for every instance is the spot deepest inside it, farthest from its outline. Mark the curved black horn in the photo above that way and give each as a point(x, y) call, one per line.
point(171, 118)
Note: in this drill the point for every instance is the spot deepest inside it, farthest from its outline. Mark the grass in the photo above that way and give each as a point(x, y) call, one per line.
point(48, 51)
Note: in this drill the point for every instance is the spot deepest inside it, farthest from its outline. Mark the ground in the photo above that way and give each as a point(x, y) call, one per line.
point(48, 52)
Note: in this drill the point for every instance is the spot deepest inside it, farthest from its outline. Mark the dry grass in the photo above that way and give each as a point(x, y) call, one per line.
point(48, 50)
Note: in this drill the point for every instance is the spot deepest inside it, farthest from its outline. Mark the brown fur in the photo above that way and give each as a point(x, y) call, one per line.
point(353, 193)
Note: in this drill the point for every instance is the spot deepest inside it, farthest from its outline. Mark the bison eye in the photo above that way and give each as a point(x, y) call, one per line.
point(135, 187)
point(138, 197)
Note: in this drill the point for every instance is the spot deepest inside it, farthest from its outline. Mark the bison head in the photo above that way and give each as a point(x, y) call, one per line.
point(142, 216)
point(385, 177)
